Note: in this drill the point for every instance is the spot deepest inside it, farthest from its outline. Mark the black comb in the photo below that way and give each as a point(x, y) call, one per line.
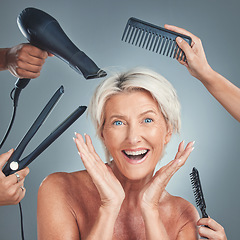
point(197, 191)
point(154, 38)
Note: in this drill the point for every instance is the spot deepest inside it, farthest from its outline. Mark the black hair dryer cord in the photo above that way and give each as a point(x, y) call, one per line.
point(19, 85)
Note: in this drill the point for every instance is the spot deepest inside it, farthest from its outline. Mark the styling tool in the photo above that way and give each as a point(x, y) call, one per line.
point(44, 32)
point(197, 191)
point(154, 38)
point(14, 164)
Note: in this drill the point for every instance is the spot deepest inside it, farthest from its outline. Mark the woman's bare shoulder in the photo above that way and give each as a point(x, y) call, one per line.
point(62, 183)
point(181, 207)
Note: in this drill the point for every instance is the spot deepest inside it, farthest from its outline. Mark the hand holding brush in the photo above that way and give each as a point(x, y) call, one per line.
point(209, 228)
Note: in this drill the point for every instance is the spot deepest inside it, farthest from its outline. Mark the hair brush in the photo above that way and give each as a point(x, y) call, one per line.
point(197, 191)
point(154, 38)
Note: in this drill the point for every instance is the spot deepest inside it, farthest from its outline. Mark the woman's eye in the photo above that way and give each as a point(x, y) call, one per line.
point(148, 120)
point(118, 123)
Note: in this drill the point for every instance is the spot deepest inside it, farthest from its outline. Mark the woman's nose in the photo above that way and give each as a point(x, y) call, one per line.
point(133, 134)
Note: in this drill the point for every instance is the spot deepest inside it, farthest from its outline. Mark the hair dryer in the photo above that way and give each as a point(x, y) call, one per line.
point(44, 32)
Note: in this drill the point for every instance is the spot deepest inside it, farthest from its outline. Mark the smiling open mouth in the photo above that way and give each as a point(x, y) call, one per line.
point(136, 155)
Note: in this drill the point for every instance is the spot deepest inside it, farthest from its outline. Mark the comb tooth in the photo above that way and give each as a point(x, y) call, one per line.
point(145, 38)
point(139, 32)
point(149, 39)
point(159, 43)
point(184, 57)
point(166, 46)
point(170, 46)
point(131, 35)
point(182, 54)
point(135, 34)
point(164, 40)
point(127, 31)
point(176, 50)
point(179, 52)
point(142, 37)
point(173, 48)
point(153, 39)
point(156, 41)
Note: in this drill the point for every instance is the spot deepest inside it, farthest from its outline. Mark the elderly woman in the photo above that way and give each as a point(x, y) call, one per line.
point(135, 114)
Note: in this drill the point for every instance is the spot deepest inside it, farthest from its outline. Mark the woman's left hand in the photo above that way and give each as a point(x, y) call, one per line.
point(151, 194)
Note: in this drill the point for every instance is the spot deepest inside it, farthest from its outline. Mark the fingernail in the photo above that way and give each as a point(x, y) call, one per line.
point(75, 133)
point(11, 150)
point(179, 39)
point(193, 142)
point(193, 148)
point(74, 139)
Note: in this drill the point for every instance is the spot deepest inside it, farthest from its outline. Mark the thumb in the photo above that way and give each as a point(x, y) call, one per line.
point(185, 47)
point(4, 158)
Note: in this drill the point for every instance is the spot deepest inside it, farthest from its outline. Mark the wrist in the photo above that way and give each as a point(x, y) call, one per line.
point(149, 212)
point(109, 212)
point(207, 75)
point(3, 58)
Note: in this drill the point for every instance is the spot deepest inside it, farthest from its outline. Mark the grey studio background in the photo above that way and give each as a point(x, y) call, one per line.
point(96, 28)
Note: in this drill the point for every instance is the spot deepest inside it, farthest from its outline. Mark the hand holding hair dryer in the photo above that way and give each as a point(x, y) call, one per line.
point(43, 31)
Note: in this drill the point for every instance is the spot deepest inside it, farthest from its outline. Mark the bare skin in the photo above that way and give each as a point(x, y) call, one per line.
point(214, 231)
point(23, 60)
point(226, 93)
point(122, 200)
point(11, 192)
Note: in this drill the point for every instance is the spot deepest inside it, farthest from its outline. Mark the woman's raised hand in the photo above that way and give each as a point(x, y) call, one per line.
point(109, 188)
point(151, 194)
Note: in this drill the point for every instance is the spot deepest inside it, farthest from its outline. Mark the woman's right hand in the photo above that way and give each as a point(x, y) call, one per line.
point(11, 189)
point(215, 230)
point(108, 186)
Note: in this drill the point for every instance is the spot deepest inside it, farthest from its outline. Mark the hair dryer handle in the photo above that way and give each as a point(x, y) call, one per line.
point(43, 31)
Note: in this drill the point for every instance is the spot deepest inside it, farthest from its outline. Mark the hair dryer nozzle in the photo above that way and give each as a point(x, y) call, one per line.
point(43, 31)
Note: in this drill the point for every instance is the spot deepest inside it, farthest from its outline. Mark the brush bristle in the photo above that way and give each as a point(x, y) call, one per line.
point(197, 189)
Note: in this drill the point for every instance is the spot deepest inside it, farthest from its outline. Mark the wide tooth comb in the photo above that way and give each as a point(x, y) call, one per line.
point(154, 38)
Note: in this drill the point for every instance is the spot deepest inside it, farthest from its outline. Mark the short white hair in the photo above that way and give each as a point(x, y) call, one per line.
point(136, 79)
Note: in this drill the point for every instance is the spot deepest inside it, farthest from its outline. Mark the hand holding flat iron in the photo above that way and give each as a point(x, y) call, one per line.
point(12, 189)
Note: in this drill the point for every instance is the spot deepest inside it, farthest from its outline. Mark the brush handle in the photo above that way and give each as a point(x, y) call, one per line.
point(204, 213)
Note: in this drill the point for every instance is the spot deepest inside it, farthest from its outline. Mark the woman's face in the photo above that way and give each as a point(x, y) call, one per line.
point(135, 133)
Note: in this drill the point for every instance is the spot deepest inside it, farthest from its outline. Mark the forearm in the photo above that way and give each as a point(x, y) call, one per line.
point(3, 60)
point(154, 227)
point(226, 93)
point(104, 225)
